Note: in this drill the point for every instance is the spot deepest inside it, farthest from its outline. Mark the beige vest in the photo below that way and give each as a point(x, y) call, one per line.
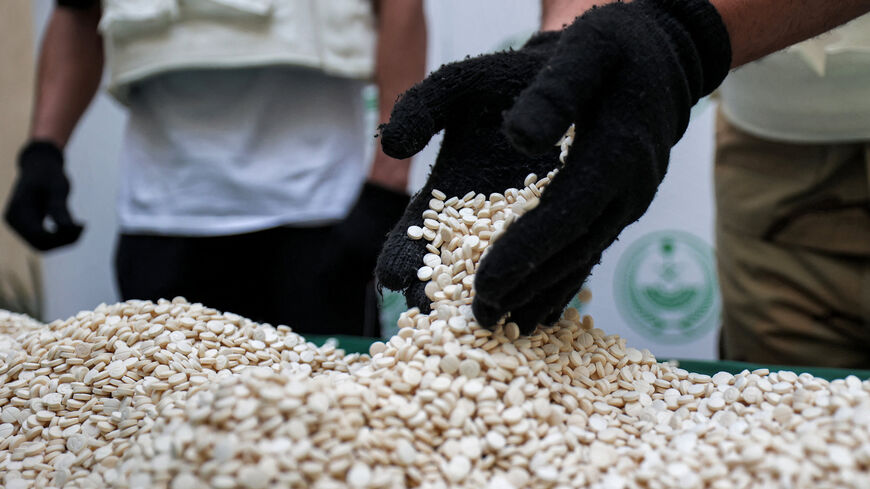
point(817, 91)
point(853, 37)
point(147, 37)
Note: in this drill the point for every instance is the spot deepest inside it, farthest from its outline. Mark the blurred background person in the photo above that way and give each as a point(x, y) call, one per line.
point(792, 179)
point(243, 182)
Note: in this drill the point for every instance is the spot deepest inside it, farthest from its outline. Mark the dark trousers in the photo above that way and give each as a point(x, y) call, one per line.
point(279, 276)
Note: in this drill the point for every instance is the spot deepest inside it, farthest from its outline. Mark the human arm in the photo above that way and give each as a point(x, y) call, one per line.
point(400, 63)
point(70, 67)
point(69, 72)
point(754, 35)
point(556, 14)
point(756, 27)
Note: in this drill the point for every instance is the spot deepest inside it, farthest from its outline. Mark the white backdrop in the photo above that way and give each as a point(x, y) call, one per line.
point(648, 288)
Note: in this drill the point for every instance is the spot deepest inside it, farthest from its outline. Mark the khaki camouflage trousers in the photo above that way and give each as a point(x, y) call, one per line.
point(20, 268)
point(793, 247)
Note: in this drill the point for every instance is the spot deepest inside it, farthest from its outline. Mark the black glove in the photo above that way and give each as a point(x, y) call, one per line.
point(466, 99)
point(41, 191)
point(627, 75)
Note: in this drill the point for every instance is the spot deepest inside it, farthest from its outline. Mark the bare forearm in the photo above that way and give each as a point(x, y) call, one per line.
point(760, 27)
point(756, 27)
point(556, 14)
point(401, 62)
point(69, 72)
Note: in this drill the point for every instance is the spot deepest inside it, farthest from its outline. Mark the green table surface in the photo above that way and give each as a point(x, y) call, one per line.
point(711, 367)
point(357, 344)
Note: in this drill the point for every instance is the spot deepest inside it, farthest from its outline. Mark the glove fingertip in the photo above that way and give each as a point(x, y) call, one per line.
point(553, 317)
point(415, 295)
point(395, 267)
point(35, 235)
point(527, 327)
point(486, 315)
point(528, 318)
point(72, 232)
point(503, 268)
point(533, 125)
point(407, 133)
point(388, 277)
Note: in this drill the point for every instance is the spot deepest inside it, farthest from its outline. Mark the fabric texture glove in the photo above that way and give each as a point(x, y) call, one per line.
point(41, 191)
point(627, 74)
point(466, 99)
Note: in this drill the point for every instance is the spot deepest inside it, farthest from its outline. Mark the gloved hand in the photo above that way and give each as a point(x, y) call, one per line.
point(466, 99)
point(41, 191)
point(627, 74)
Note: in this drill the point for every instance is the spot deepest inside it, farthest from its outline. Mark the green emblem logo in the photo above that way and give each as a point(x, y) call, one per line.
point(665, 287)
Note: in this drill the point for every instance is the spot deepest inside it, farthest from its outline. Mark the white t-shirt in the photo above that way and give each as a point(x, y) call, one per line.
point(217, 152)
point(814, 92)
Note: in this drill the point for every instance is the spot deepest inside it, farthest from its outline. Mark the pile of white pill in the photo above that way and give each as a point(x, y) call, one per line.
point(178, 395)
point(74, 393)
point(12, 323)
